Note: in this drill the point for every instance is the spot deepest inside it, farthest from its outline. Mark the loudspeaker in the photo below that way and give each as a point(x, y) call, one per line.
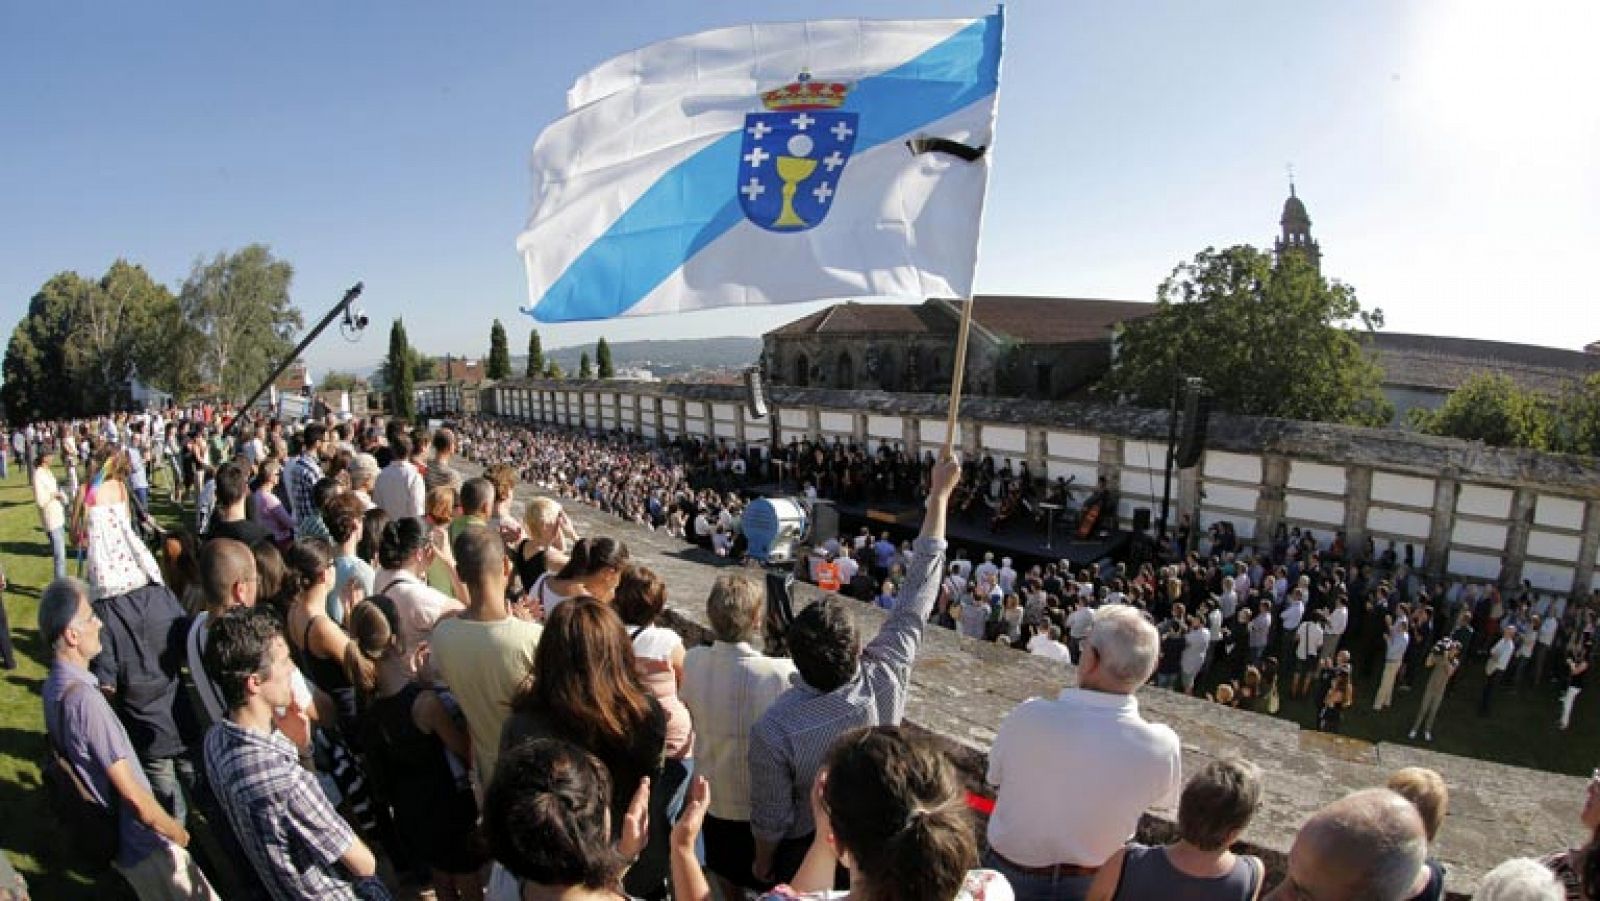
point(1141, 519)
point(755, 399)
point(1196, 418)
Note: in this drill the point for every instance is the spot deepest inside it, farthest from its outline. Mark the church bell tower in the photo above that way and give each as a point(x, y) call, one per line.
point(1296, 234)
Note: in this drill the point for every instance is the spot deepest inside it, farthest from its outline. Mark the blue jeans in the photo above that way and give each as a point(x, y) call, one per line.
point(1028, 887)
point(172, 780)
point(58, 550)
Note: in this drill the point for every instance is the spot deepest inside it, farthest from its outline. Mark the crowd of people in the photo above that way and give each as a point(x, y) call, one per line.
point(366, 669)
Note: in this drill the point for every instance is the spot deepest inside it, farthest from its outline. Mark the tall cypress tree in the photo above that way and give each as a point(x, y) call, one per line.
point(499, 354)
point(535, 355)
point(402, 400)
point(585, 371)
point(602, 359)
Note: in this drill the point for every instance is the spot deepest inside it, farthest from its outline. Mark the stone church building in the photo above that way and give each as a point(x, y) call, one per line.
point(1056, 348)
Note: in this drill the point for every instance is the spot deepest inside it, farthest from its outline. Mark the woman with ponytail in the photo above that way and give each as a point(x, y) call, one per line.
point(890, 809)
point(407, 730)
point(593, 570)
point(405, 553)
point(318, 644)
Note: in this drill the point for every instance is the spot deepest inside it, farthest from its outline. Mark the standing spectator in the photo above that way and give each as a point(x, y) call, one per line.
point(270, 512)
point(1338, 622)
point(1260, 632)
point(1577, 674)
point(1052, 830)
point(487, 652)
point(1426, 791)
point(727, 687)
point(399, 489)
point(8, 656)
point(441, 471)
point(51, 502)
point(1339, 696)
point(547, 534)
point(85, 732)
point(1541, 654)
point(304, 471)
point(1520, 879)
point(1308, 641)
point(1217, 804)
point(842, 686)
point(585, 690)
point(1495, 669)
point(233, 488)
point(1394, 654)
point(353, 577)
point(409, 735)
point(404, 555)
point(363, 478)
point(1368, 846)
point(295, 841)
point(659, 654)
point(593, 570)
point(1443, 660)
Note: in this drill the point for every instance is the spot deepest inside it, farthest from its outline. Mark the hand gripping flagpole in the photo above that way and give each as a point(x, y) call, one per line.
point(956, 376)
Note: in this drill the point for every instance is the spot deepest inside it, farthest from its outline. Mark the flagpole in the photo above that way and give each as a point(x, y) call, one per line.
point(956, 375)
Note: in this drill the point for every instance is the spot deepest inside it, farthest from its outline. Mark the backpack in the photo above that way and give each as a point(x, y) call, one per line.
point(92, 825)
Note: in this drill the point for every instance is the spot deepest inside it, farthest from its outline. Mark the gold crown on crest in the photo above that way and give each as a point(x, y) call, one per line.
point(804, 94)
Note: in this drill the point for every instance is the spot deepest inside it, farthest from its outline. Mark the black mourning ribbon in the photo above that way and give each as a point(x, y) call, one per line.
point(965, 152)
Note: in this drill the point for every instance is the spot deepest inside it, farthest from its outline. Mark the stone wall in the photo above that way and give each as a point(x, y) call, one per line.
point(1468, 511)
point(961, 689)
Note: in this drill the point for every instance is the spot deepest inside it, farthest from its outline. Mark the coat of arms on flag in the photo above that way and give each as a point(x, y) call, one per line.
point(793, 156)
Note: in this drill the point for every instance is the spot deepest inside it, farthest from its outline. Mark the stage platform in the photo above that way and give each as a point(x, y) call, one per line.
point(1024, 542)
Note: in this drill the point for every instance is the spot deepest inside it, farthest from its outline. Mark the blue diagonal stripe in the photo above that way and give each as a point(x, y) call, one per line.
point(694, 203)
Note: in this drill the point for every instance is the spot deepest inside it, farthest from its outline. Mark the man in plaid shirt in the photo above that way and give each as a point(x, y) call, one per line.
point(302, 473)
point(296, 842)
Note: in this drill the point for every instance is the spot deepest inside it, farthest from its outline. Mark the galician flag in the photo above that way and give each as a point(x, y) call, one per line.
point(765, 164)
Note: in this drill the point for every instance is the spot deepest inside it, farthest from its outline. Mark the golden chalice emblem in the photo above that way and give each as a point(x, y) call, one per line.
point(793, 170)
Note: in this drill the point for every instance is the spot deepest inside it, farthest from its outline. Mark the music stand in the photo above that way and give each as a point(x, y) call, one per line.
point(1049, 523)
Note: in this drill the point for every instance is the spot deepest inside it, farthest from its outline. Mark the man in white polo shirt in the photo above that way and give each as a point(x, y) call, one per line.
point(1074, 774)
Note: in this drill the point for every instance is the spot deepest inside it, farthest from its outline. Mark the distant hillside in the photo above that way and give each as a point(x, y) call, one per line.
point(663, 358)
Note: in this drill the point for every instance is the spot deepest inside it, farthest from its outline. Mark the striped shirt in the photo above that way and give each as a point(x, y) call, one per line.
point(790, 741)
point(300, 477)
point(291, 834)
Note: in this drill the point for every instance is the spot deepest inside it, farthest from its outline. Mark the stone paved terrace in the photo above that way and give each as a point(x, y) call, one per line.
point(961, 689)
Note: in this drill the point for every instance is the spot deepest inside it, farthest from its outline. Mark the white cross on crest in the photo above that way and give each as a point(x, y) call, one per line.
point(841, 131)
point(802, 121)
point(759, 130)
point(833, 160)
point(756, 156)
point(822, 193)
point(753, 189)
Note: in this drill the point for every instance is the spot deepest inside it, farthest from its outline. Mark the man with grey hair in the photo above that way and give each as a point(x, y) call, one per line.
point(1074, 774)
point(1366, 846)
point(727, 687)
point(87, 734)
point(1520, 879)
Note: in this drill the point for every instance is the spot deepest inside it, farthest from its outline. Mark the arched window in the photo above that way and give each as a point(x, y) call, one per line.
point(844, 372)
point(802, 371)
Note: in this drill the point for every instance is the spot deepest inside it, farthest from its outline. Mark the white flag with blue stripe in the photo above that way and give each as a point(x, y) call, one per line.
point(767, 164)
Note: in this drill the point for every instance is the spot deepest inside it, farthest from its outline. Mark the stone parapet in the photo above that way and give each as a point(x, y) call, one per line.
point(962, 689)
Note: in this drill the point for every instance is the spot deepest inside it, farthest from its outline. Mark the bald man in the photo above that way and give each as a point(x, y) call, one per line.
point(1368, 846)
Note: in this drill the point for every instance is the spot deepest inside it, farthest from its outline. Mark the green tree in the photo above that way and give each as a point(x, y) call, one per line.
point(1270, 338)
point(397, 371)
point(1491, 408)
point(1577, 419)
point(552, 370)
point(37, 382)
point(585, 368)
point(499, 366)
point(602, 359)
point(244, 322)
point(535, 355)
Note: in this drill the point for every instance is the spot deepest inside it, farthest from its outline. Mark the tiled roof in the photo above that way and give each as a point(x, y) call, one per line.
point(1039, 320)
point(1445, 363)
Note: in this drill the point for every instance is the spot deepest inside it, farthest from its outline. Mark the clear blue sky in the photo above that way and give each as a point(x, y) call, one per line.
point(1448, 151)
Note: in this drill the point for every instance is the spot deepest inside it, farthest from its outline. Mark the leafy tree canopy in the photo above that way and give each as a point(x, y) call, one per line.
point(243, 321)
point(1270, 338)
point(535, 355)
